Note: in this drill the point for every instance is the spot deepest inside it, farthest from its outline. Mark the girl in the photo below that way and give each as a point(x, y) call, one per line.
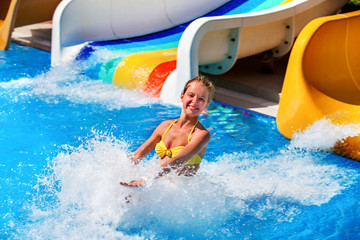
point(180, 143)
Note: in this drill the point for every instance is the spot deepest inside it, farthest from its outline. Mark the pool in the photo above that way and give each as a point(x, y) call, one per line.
point(64, 139)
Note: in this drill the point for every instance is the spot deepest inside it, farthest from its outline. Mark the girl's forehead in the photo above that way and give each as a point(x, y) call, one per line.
point(197, 87)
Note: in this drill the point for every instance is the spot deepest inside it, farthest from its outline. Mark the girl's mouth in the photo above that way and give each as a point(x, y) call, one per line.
point(192, 107)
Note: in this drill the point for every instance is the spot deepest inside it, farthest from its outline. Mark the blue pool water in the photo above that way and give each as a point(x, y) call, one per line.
point(64, 138)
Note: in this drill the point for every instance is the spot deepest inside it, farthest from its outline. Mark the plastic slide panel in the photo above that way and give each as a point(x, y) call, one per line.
point(134, 71)
point(68, 37)
point(78, 21)
point(158, 77)
point(230, 37)
point(8, 11)
point(120, 76)
point(323, 79)
point(273, 28)
point(16, 13)
point(163, 40)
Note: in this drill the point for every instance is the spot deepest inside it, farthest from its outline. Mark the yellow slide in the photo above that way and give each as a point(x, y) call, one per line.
point(16, 13)
point(323, 79)
point(133, 72)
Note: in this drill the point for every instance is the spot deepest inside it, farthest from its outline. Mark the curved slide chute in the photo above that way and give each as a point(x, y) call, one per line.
point(323, 79)
point(16, 13)
point(248, 34)
point(212, 44)
point(134, 71)
point(78, 21)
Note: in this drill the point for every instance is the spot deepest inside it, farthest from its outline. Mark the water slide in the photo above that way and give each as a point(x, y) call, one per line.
point(16, 13)
point(161, 51)
point(323, 79)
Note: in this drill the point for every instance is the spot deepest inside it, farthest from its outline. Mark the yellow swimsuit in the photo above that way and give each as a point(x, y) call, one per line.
point(162, 150)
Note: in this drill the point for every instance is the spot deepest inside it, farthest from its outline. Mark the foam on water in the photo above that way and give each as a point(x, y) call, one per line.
point(323, 134)
point(79, 196)
point(67, 82)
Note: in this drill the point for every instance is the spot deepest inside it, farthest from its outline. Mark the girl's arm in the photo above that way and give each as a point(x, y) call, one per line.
point(149, 144)
point(144, 149)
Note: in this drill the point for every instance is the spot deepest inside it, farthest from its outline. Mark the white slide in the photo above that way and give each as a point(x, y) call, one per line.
point(210, 44)
point(237, 36)
point(78, 21)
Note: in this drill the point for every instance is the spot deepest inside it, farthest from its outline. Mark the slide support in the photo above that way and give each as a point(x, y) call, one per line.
point(229, 59)
point(7, 25)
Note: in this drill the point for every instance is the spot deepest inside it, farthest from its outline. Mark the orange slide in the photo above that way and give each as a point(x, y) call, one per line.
point(323, 79)
point(16, 13)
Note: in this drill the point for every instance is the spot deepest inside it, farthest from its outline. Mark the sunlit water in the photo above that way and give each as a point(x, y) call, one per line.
point(64, 140)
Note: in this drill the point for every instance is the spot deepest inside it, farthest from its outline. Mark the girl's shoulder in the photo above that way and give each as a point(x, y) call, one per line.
point(164, 125)
point(200, 129)
point(167, 123)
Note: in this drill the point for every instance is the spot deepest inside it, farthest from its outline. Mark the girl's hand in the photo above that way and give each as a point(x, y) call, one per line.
point(165, 161)
point(135, 183)
point(133, 159)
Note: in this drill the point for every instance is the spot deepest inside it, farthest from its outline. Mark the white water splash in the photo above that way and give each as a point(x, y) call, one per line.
point(90, 204)
point(323, 134)
point(68, 83)
point(295, 176)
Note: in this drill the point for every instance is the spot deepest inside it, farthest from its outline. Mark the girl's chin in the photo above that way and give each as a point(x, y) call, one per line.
point(193, 113)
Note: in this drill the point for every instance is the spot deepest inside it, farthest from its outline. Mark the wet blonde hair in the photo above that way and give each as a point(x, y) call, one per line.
point(204, 81)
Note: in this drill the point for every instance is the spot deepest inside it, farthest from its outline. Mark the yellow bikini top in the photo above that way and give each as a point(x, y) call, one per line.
point(162, 150)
